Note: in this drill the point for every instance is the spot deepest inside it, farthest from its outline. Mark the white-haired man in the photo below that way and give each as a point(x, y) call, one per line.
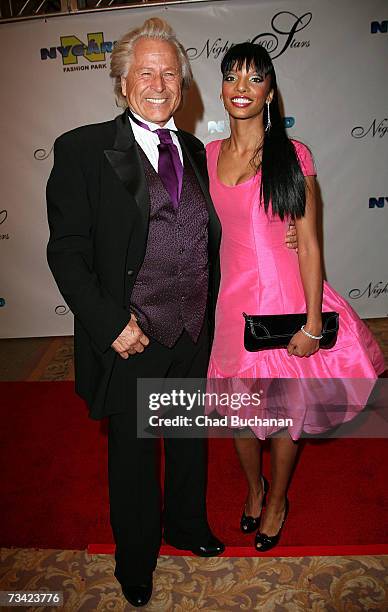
point(132, 228)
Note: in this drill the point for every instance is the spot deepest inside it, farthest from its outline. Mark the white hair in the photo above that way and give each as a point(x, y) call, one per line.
point(154, 28)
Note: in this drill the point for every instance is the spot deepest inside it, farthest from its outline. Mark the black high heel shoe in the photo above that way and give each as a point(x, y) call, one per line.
point(248, 524)
point(267, 542)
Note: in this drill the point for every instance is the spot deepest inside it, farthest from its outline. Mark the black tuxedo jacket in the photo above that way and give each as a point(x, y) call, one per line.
point(98, 212)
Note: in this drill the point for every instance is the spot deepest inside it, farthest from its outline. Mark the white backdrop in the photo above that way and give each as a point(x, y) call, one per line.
point(330, 59)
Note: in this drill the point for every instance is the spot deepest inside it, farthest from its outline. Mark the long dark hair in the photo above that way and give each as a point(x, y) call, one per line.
point(282, 181)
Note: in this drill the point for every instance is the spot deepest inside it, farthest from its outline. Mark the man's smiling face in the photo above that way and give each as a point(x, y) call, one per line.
point(153, 86)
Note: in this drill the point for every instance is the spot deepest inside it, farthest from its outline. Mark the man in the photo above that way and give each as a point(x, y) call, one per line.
point(132, 231)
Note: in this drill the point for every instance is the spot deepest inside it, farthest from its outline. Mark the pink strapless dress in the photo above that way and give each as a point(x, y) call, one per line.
point(260, 275)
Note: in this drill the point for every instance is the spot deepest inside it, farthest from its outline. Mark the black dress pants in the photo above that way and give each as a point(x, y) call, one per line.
point(134, 489)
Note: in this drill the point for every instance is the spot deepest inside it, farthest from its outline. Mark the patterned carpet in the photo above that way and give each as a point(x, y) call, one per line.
point(329, 584)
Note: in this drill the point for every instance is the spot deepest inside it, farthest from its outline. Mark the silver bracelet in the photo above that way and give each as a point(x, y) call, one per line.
point(306, 333)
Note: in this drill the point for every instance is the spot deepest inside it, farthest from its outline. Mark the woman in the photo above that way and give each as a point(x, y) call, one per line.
point(259, 179)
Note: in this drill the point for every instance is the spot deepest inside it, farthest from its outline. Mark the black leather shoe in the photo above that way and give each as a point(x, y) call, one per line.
point(267, 542)
point(138, 596)
point(248, 524)
point(211, 548)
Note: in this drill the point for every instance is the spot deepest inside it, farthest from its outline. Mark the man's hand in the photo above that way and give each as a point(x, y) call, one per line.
point(291, 237)
point(131, 340)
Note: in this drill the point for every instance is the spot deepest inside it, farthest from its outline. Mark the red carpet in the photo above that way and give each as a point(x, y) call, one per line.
point(54, 483)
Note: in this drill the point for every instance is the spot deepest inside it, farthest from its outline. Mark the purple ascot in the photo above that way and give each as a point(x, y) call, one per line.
point(170, 168)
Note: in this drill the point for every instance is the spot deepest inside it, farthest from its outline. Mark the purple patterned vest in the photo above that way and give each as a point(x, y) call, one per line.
point(170, 292)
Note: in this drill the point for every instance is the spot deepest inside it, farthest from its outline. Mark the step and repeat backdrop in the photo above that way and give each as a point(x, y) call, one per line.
point(331, 61)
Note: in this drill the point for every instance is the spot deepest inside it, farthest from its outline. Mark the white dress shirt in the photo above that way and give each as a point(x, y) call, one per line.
point(149, 140)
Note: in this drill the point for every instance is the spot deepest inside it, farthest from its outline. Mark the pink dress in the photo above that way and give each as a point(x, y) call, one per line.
point(260, 275)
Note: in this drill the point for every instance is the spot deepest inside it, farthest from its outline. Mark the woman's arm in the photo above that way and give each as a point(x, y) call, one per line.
point(311, 273)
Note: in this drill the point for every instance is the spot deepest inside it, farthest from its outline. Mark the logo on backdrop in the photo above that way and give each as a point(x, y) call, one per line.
point(3, 218)
point(378, 128)
point(77, 54)
point(42, 154)
point(372, 290)
point(61, 310)
point(218, 127)
point(285, 34)
point(379, 27)
point(289, 122)
point(378, 202)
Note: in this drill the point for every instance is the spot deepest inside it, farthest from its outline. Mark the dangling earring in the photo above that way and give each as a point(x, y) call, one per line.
point(268, 126)
point(227, 118)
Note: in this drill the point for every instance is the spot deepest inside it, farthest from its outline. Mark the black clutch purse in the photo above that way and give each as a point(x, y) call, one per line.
point(275, 331)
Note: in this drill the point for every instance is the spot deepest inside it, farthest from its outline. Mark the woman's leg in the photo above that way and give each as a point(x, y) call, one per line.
point(248, 450)
point(283, 455)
